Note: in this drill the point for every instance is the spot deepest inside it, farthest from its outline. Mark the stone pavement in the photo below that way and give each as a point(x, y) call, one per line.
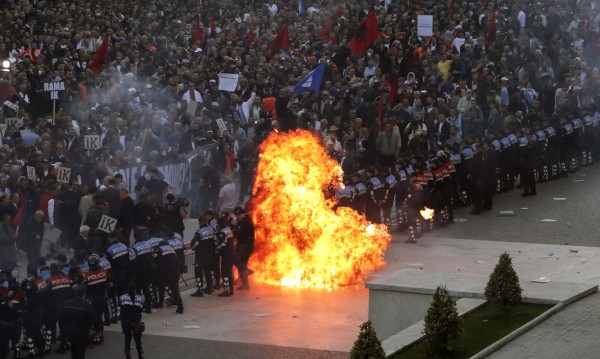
point(571, 333)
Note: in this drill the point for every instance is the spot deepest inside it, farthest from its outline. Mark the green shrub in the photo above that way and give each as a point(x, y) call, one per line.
point(503, 289)
point(367, 345)
point(442, 323)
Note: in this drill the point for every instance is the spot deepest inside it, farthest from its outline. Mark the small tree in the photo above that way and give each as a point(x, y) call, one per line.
point(367, 345)
point(503, 289)
point(442, 323)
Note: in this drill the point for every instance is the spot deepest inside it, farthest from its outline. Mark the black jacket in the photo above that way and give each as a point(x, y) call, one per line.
point(77, 317)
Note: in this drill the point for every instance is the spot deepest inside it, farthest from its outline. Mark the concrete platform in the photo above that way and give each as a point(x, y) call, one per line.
point(399, 300)
point(330, 320)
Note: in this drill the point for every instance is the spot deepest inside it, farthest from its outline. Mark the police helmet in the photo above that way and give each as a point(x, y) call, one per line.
point(93, 260)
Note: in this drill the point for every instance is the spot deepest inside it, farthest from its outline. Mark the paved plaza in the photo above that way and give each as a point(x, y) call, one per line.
point(270, 322)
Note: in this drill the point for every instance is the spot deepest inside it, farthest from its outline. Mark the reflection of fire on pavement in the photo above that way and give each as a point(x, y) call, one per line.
point(301, 241)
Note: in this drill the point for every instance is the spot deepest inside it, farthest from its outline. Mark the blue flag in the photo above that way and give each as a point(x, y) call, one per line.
point(301, 8)
point(312, 81)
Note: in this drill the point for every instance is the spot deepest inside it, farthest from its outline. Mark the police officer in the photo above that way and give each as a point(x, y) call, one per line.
point(97, 285)
point(528, 161)
point(43, 269)
point(243, 230)
point(358, 201)
point(35, 291)
point(402, 187)
point(63, 264)
point(175, 240)
point(76, 318)
point(477, 179)
point(203, 245)
point(224, 248)
point(168, 274)
point(117, 254)
point(216, 260)
point(145, 265)
point(131, 317)
point(375, 196)
point(415, 202)
point(59, 290)
point(12, 306)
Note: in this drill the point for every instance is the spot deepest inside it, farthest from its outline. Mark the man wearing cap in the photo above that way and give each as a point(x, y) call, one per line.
point(36, 294)
point(76, 318)
point(59, 290)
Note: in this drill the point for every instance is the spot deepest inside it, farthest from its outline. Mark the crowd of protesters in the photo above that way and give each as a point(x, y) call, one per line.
point(501, 94)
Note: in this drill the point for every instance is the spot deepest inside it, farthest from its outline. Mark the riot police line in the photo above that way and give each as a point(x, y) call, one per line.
point(470, 173)
point(119, 283)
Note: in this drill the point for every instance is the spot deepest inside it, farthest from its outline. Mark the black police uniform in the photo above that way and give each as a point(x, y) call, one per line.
point(145, 269)
point(168, 274)
point(203, 245)
point(243, 231)
point(59, 290)
point(224, 247)
point(131, 315)
point(77, 317)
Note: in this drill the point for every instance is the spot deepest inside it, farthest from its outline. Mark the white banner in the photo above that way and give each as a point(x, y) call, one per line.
point(424, 25)
point(228, 82)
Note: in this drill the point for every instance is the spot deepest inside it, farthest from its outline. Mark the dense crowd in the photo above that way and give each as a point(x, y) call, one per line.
point(502, 94)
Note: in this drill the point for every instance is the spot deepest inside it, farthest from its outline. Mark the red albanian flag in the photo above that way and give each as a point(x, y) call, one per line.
point(365, 35)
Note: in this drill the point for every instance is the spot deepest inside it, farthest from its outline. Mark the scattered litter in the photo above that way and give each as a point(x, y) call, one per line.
point(415, 264)
point(507, 214)
point(480, 262)
point(541, 280)
point(578, 180)
point(559, 199)
point(460, 220)
point(549, 220)
point(573, 250)
point(569, 225)
point(262, 315)
point(548, 255)
point(524, 208)
point(295, 316)
point(167, 324)
point(195, 326)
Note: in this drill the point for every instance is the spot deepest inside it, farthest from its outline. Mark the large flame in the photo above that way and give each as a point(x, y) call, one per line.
point(301, 240)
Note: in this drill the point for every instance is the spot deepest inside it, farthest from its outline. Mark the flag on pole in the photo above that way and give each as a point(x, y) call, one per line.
point(301, 8)
point(324, 33)
point(365, 35)
point(340, 11)
point(312, 81)
point(101, 55)
point(281, 41)
point(213, 27)
point(197, 38)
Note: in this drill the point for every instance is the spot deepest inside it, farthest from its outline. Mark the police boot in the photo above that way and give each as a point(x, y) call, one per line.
point(419, 228)
point(47, 341)
point(198, 292)
point(411, 235)
point(114, 312)
point(583, 159)
point(590, 159)
point(29, 347)
point(443, 218)
point(227, 292)
point(536, 175)
point(17, 351)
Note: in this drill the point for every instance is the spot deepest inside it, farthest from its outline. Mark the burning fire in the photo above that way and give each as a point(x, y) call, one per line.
point(427, 213)
point(301, 241)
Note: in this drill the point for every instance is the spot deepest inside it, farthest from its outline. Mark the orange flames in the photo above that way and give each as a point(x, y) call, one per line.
point(301, 240)
point(427, 213)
